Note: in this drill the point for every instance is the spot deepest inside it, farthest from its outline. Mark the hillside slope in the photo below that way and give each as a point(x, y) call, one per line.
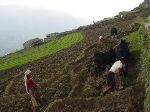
point(65, 74)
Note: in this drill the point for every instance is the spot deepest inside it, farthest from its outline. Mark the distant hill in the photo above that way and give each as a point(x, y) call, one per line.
point(19, 24)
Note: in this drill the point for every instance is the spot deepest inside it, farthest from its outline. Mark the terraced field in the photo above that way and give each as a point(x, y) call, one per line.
point(25, 56)
point(65, 74)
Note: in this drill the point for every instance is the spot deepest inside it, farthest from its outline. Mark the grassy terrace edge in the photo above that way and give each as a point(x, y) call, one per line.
point(144, 74)
point(138, 41)
point(35, 53)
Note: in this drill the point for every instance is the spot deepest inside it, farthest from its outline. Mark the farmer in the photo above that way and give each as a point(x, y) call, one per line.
point(31, 88)
point(114, 81)
point(100, 38)
point(113, 33)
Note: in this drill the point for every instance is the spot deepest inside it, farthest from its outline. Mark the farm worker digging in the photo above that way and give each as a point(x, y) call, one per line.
point(114, 76)
point(31, 88)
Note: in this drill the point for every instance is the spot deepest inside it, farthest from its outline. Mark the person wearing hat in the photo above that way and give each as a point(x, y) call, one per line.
point(100, 38)
point(31, 89)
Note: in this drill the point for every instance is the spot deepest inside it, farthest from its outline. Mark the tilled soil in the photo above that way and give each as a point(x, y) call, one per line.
point(63, 74)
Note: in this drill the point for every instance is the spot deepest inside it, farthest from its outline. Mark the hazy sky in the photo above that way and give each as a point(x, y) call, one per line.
point(88, 9)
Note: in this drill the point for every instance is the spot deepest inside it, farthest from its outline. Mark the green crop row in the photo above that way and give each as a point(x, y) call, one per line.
point(28, 55)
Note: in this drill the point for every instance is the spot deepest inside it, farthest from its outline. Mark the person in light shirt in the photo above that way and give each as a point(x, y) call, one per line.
point(114, 81)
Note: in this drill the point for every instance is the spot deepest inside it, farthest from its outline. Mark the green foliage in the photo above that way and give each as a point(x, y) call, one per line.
point(135, 39)
point(147, 12)
point(136, 46)
point(129, 81)
point(135, 26)
point(48, 39)
point(145, 70)
point(145, 76)
point(25, 56)
point(138, 41)
point(139, 20)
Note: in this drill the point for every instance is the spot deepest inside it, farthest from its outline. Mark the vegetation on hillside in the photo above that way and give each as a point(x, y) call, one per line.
point(64, 75)
point(138, 45)
point(25, 56)
point(144, 75)
point(135, 46)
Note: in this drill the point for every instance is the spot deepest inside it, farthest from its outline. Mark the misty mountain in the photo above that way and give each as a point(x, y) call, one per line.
point(19, 24)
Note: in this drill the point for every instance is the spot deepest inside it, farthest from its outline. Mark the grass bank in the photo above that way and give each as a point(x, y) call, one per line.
point(144, 75)
point(135, 41)
point(140, 57)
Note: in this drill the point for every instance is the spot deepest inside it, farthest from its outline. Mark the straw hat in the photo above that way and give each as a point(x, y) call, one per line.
point(27, 72)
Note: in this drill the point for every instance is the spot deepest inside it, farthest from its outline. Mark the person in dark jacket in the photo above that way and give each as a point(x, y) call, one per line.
point(113, 33)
